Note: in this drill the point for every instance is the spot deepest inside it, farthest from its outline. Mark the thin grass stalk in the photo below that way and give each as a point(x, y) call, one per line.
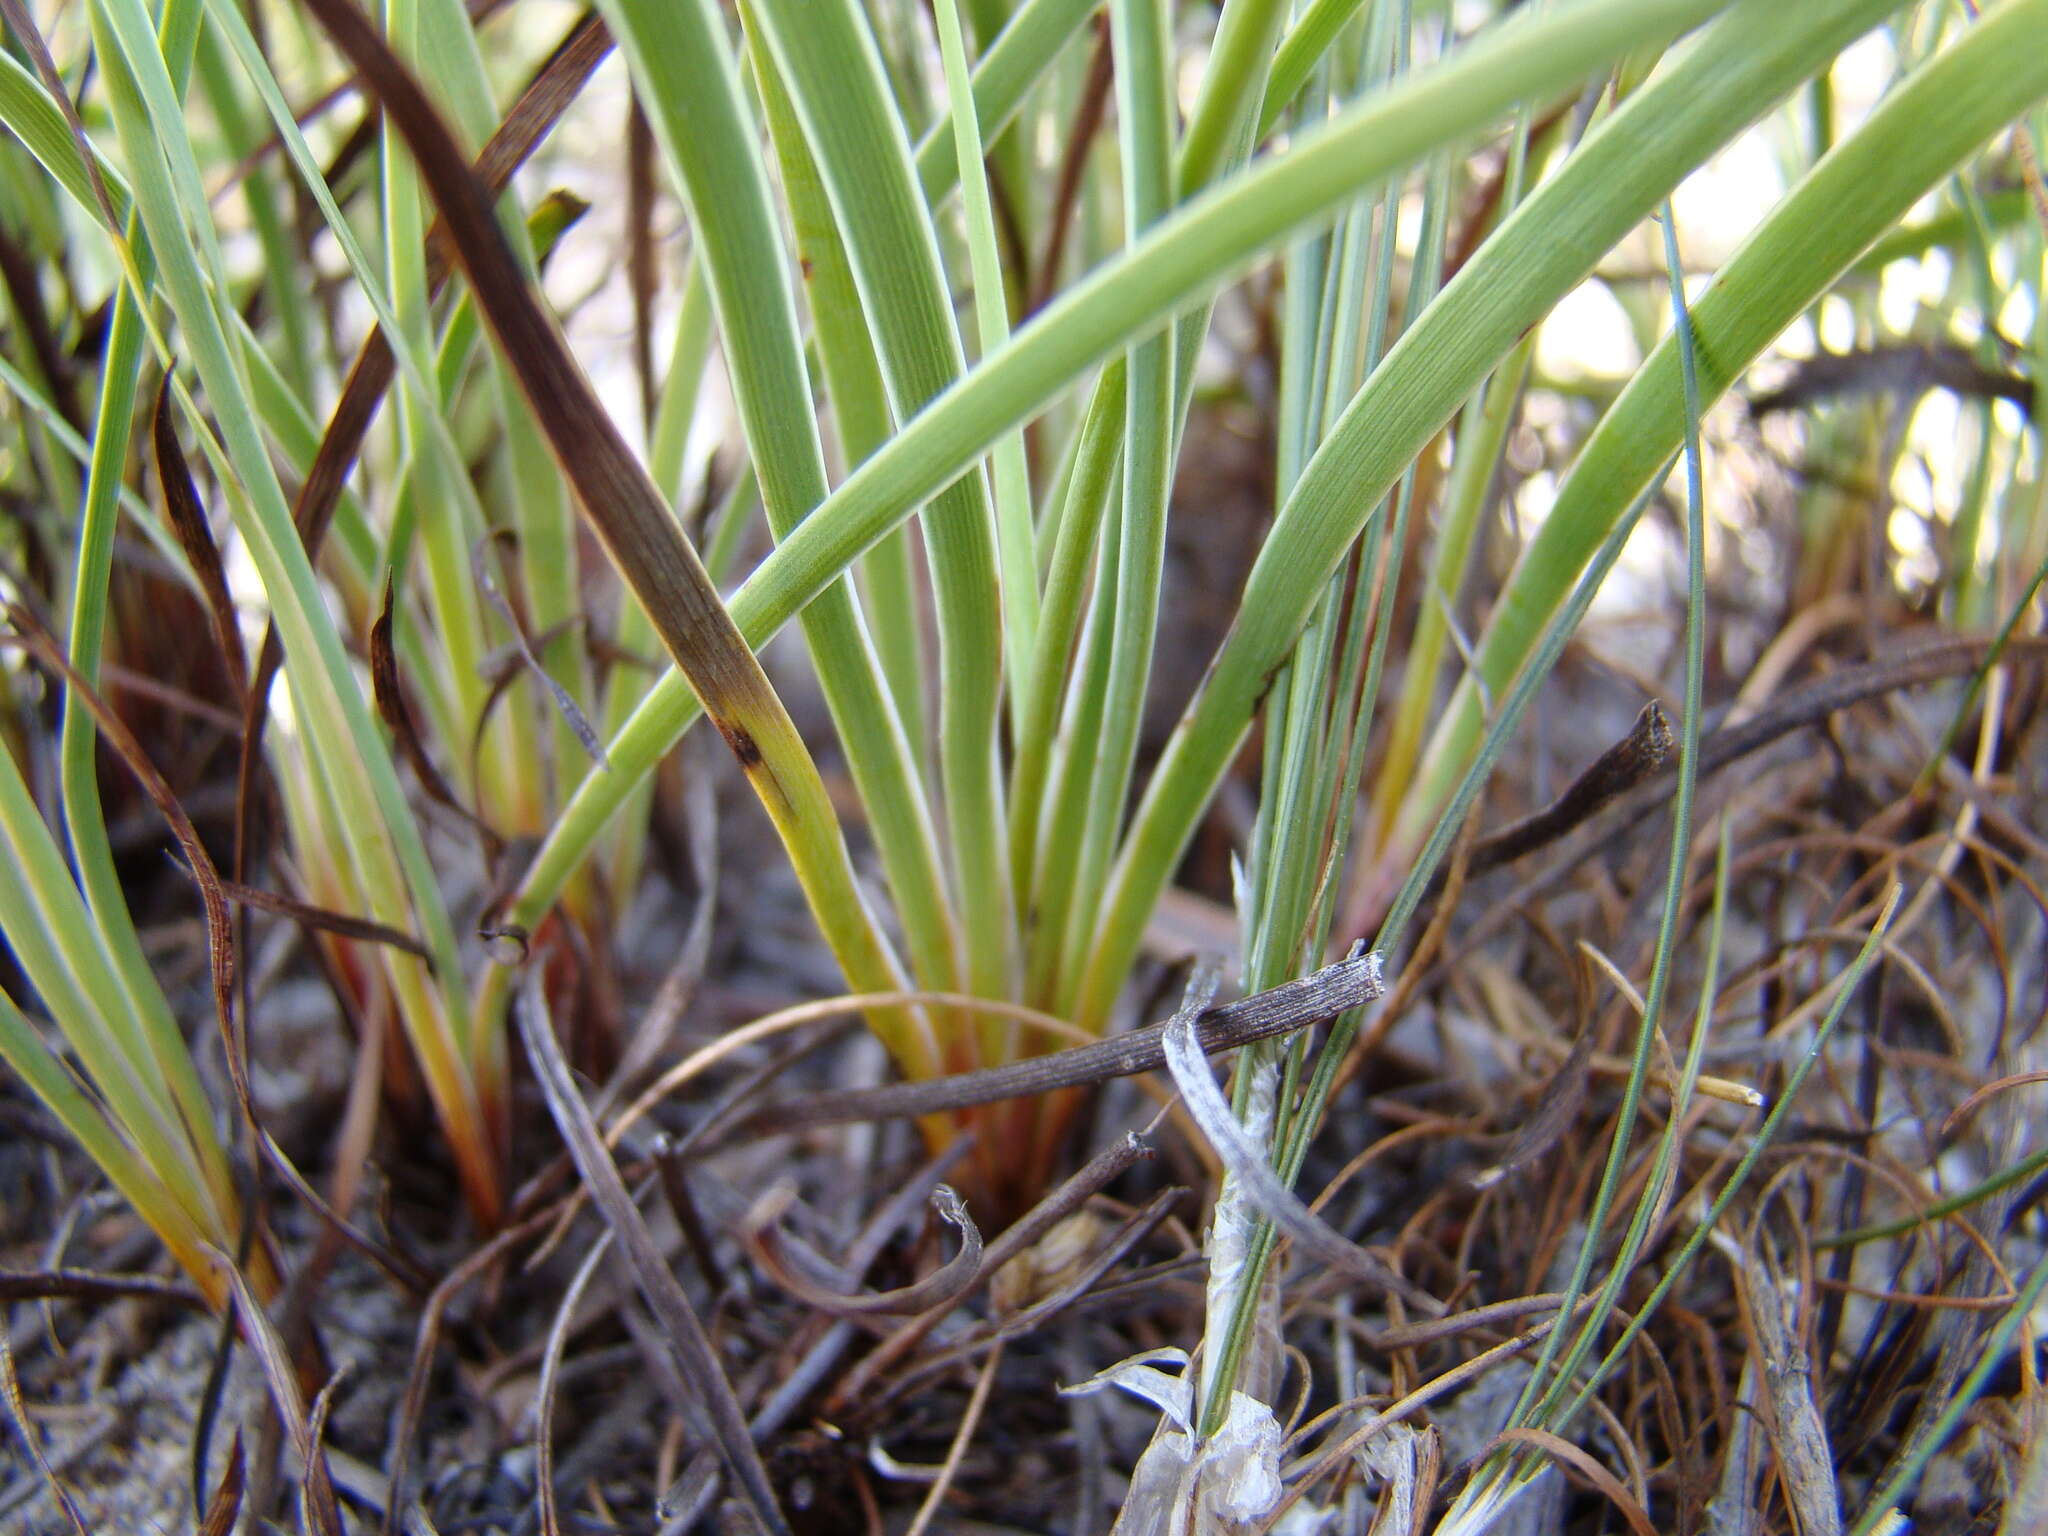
point(551, 581)
point(1076, 514)
point(1009, 164)
point(1326, 298)
point(432, 435)
point(1293, 1149)
point(1564, 1349)
point(47, 435)
point(1222, 130)
point(1549, 1410)
point(1186, 257)
point(351, 551)
point(1972, 577)
point(1294, 61)
point(1381, 561)
point(1009, 65)
point(36, 401)
point(1056, 864)
point(287, 303)
point(1009, 475)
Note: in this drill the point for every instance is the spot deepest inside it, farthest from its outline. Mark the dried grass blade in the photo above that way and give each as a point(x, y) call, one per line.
point(85, 1285)
point(935, 1497)
point(664, 1294)
point(10, 1390)
point(1562, 1450)
point(195, 536)
point(289, 1399)
point(1094, 1175)
point(938, 1290)
point(325, 920)
point(225, 1507)
point(389, 692)
point(550, 1380)
point(412, 1403)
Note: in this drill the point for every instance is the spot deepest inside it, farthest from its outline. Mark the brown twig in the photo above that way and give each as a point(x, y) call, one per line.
point(1073, 161)
point(1905, 370)
point(1644, 752)
point(1296, 1005)
point(85, 1285)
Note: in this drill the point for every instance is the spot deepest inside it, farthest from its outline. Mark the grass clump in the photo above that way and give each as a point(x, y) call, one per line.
point(967, 292)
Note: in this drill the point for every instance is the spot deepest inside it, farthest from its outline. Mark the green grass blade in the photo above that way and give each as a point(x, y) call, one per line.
point(1906, 148)
point(397, 877)
point(1128, 608)
point(1185, 258)
point(827, 61)
point(1733, 73)
point(858, 397)
point(691, 87)
point(1009, 476)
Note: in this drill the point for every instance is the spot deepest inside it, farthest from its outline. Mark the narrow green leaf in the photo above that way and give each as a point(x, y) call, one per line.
point(633, 519)
point(692, 91)
point(1731, 75)
point(827, 60)
point(1187, 256)
point(1908, 145)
